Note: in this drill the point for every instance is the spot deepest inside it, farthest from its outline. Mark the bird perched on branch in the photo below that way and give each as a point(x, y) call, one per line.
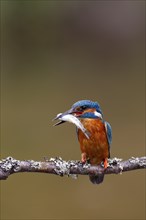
point(94, 134)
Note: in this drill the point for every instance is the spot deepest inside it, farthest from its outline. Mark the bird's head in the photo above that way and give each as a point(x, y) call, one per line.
point(84, 109)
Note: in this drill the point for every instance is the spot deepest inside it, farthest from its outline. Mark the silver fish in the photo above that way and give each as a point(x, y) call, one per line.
point(72, 119)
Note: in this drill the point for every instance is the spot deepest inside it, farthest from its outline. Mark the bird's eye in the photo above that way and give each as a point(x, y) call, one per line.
point(83, 107)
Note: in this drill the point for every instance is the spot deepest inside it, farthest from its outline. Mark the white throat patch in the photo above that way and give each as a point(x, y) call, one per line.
point(98, 114)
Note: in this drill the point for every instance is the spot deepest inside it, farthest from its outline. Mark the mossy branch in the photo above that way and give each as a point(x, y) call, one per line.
point(60, 167)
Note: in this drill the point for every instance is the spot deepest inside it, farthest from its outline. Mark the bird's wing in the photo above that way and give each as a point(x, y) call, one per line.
point(108, 133)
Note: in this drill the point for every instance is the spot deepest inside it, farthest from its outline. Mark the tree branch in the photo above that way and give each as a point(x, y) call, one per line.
point(60, 167)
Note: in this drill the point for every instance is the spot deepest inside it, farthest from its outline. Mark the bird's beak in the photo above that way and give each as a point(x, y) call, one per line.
point(60, 116)
point(72, 116)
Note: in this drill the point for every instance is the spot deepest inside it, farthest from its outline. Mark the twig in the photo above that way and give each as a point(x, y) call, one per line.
point(60, 167)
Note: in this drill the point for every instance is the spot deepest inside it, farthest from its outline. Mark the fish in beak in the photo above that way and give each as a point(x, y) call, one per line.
point(72, 117)
point(60, 117)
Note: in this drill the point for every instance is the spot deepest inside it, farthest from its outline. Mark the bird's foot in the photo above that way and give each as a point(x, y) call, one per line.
point(106, 163)
point(83, 158)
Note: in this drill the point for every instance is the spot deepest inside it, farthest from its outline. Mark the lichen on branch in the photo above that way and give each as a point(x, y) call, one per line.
point(58, 166)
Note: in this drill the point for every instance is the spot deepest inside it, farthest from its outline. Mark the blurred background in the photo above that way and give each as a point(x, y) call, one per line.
point(54, 54)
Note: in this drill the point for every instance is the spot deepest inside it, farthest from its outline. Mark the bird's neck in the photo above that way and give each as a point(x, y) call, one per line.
point(88, 121)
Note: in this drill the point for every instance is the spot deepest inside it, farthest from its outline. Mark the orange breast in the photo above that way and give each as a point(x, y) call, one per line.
point(96, 147)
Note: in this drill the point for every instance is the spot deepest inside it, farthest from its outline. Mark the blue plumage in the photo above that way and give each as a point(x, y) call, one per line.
point(108, 132)
point(89, 115)
point(88, 104)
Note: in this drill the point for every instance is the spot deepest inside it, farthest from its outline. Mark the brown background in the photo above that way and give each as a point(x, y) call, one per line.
point(54, 54)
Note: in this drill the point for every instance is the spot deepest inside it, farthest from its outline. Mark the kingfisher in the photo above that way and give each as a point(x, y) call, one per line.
point(95, 148)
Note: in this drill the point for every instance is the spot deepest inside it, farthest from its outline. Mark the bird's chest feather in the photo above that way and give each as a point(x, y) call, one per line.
point(96, 147)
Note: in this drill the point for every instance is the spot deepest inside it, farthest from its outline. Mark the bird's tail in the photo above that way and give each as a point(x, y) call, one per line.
point(96, 179)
